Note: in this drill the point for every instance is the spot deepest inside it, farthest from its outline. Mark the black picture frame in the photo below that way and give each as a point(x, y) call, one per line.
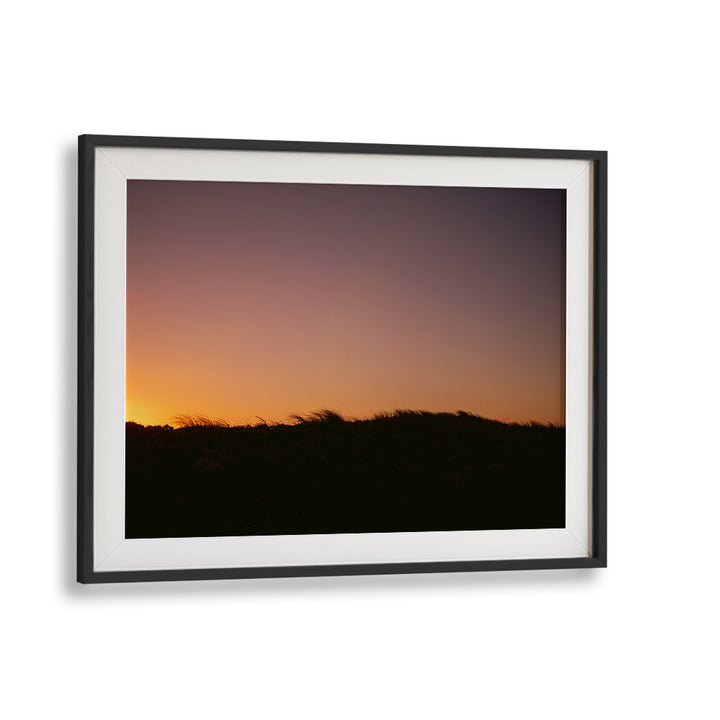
point(87, 519)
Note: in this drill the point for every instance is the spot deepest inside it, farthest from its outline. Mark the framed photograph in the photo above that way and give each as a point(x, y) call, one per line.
point(303, 358)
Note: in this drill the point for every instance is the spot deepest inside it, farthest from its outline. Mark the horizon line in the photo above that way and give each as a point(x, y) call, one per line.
point(185, 420)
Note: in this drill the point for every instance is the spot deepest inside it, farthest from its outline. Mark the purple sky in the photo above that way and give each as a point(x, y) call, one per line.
point(266, 299)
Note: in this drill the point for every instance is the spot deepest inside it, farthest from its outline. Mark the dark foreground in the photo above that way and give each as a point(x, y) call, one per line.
point(404, 472)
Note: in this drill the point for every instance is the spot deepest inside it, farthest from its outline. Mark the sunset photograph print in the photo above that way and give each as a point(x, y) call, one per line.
point(327, 358)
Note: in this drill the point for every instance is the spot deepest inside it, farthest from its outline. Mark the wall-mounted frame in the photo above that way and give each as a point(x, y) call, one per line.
point(407, 346)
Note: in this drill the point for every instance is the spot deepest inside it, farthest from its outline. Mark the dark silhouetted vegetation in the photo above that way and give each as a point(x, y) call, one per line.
point(397, 472)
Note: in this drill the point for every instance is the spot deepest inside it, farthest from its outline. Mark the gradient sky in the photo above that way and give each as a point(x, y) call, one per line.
point(267, 299)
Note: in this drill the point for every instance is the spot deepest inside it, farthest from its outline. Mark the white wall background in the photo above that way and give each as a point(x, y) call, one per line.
point(636, 640)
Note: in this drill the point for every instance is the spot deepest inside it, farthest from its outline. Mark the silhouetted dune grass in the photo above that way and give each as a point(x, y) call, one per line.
point(396, 472)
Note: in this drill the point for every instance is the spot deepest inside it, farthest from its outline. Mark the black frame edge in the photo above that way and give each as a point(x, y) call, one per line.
point(85, 348)
point(341, 147)
point(338, 570)
point(86, 186)
point(599, 389)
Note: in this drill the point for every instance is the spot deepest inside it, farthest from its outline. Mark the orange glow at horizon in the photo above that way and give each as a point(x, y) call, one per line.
point(263, 300)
